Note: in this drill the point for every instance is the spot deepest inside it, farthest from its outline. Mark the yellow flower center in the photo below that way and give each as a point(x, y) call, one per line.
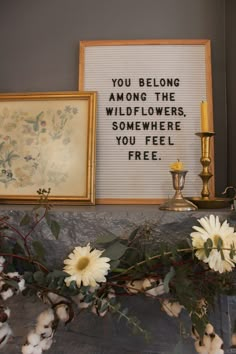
point(82, 263)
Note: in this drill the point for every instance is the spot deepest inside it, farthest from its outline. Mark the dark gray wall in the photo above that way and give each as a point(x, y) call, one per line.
point(231, 86)
point(39, 42)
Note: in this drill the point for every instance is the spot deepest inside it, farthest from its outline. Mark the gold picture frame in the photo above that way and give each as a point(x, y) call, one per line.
point(47, 140)
point(137, 80)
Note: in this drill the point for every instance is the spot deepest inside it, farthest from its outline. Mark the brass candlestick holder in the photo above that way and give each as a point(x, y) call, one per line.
point(178, 202)
point(205, 201)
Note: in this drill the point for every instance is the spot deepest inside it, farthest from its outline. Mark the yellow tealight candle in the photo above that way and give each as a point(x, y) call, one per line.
point(177, 166)
point(204, 117)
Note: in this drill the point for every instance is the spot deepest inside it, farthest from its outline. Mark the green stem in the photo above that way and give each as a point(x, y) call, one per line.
point(124, 271)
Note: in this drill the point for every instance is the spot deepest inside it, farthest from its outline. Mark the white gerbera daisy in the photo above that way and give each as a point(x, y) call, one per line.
point(86, 266)
point(214, 230)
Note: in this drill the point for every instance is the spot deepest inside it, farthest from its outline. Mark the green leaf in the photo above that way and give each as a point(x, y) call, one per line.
point(114, 264)
point(222, 255)
point(232, 251)
point(39, 277)
point(25, 220)
point(53, 225)
point(168, 278)
point(55, 228)
point(19, 247)
point(219, 244)
point(106, 238)
point(12, 283)
point(28, 276)
point(115, 251)
point(133, 234)
point(59, 273)
point(208, 247)
point(73, 286)
point(199, 322)
point(39, 249)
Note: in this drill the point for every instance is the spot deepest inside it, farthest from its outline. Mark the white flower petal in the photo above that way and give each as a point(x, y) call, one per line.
point(213, 229)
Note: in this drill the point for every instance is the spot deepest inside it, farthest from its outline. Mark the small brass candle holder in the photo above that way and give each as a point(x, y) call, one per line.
point(178, 202)
point(205, 201)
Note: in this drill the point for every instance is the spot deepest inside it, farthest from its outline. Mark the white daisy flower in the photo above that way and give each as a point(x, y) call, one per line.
point(214, 230)
point(86, 266)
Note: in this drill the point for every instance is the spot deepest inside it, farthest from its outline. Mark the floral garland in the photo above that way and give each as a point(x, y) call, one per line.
point(185, 277)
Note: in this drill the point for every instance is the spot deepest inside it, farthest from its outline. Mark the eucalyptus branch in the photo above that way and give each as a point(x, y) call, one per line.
point(124, 271)
point(130, 320)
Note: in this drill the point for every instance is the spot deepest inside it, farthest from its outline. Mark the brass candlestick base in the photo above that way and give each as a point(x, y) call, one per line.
point(178, 203)
point(205, 202)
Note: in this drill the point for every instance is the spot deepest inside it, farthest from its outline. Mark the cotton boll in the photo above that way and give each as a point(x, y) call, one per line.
point(206, 341)
point(7, 294)
point(54, 298)
point(5, 333)
point(156, 290)
point(233, 340)
point(4, 315)
point(30, 349)
point(172, 309)
point(216, 343)
point(62, 312)
point(13, 275)
point(84, 305)
point(46, 317)
point(2, 261)
point(44, 331)
point(46, 323)
point(46, 343)
point(134, 286)
point(21, 284)
point(27, 349)
point(209, 329)
point(200, 348)
point(217, 351)
point(33, 338)
point(18, 278)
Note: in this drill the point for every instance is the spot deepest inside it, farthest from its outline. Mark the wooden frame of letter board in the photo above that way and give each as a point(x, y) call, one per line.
point(81, 81)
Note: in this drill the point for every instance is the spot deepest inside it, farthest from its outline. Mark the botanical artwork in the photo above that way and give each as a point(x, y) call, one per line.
point(38, 146)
